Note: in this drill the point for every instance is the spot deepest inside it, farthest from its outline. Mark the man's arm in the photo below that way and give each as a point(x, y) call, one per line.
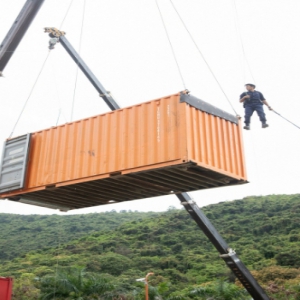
point(267, 104)
point(264, 101)
point(244, 98)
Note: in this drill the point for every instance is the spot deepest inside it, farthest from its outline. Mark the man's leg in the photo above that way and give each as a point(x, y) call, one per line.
point(262, 116)
point(249, 109)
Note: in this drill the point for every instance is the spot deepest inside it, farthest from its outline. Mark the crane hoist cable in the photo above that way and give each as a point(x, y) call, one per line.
point(245, 57)
point(171, 46)
point(31, 91)
point(77, 69)
point(242, 58)
point(238, 28)
point(60, 110)
point(201, 54)
point(55, 83)
point(38, 76)
point(67, 12)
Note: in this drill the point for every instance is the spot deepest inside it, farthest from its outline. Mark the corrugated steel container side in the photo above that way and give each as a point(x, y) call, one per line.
point(136, 137)
point(156, 134)
point(215, 143)
point(6, 284)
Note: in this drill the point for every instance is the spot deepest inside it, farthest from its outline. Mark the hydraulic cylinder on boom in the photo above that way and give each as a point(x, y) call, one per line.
point(226, 253)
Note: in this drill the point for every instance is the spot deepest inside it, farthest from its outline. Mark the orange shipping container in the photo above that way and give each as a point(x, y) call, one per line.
point(170, 145)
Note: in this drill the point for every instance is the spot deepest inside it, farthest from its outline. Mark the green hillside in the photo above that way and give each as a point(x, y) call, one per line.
point(23, 233)
point(265, 231)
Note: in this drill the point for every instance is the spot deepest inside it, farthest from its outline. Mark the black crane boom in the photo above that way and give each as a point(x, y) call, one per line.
point(105, 95)
point(18, 30)
point(226, 253)
point(58, 36)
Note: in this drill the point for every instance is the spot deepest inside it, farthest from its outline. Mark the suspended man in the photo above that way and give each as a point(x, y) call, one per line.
point(253, 101)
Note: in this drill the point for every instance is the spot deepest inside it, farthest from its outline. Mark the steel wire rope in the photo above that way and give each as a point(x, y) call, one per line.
point(246, 60)
point(67, 12)
point(39, 74)
point(242, 59)
point(257, 174)
point(57, 95)
point(77, 69)
point(171, 46)
point(201, 54)
point(31, 91)
point(60, 111)
point(241, 39)
point(55, 83)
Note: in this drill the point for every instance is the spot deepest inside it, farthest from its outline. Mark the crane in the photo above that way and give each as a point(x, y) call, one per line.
point(226, 253)
point(8, 46)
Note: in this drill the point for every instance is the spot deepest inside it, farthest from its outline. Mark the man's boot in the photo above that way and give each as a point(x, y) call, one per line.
point(247, 127)
point(264, 125)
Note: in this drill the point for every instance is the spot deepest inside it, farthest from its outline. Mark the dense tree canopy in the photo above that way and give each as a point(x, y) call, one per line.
point(264, 231)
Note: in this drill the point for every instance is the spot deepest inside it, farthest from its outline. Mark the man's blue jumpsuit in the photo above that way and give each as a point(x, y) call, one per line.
point(254, 103)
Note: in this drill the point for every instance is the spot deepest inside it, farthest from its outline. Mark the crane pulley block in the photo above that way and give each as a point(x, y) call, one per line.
point(54, 32)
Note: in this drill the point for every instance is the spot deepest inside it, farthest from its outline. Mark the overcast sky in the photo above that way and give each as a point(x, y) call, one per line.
point(125, 45)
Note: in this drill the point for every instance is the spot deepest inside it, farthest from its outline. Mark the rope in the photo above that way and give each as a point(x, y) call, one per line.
point(29, 95)
point(171, 46)
point(80, 42)
point(241, 40)
point(37, 79)
point(55, 83)
point(59, 112)
point(285, 118)
point(245, 58)
point(208, 66)
point(66, 14)
point(242, 59)
point(57, 95)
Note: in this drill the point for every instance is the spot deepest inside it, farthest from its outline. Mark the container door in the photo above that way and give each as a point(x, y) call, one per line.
point(14, 163)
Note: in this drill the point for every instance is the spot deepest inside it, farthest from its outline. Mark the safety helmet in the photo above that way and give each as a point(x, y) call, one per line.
point(251, 84)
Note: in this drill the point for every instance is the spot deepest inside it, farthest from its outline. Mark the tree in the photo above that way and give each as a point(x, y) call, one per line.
point(24, 289)
point(75, 284)
point(218, 290)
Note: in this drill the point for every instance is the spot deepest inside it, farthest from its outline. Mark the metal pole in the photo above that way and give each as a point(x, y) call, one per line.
point(89, 74)
point(18, 30)
point(146, 291)
point(146, 285)
point(285, 118)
